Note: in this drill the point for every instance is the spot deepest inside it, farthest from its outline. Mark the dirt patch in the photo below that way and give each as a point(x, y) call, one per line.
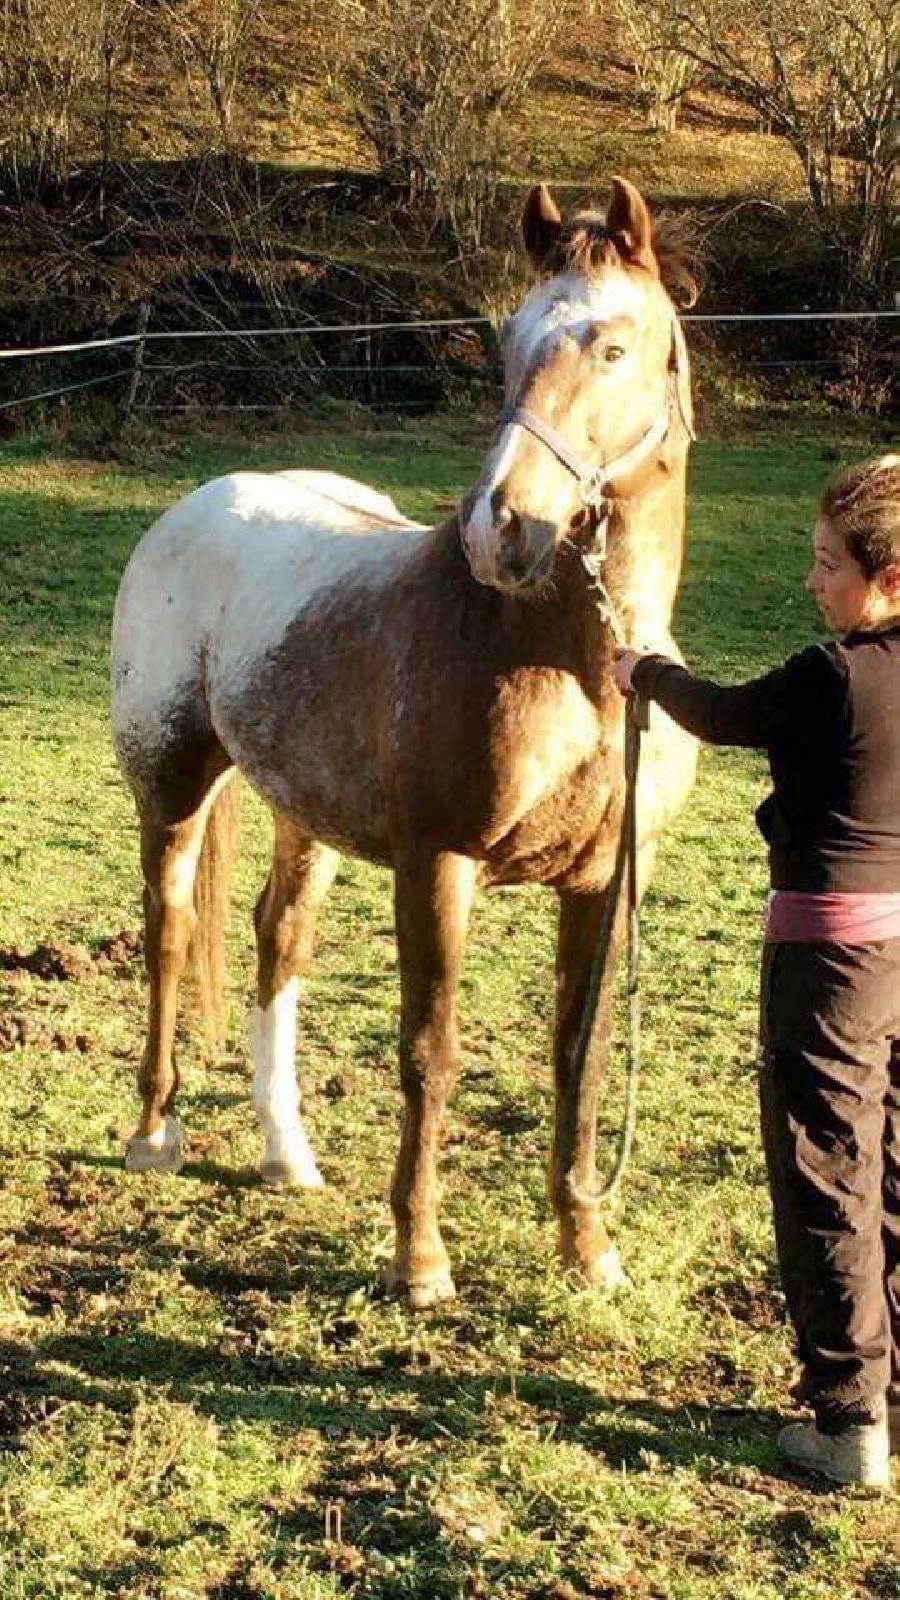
point(756, 1305)
point(119, 952)
point(59, 962)
point(66, 963)
point(19, 1028)
point(14, 1029)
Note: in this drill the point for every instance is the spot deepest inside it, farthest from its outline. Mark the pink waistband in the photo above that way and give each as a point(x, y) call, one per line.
point(795, 917)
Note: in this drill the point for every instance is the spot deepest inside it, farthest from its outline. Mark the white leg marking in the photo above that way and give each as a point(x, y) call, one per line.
point(287, 1154)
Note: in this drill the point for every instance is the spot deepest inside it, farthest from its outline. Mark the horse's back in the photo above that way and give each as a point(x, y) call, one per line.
point(347, 493)
point(215, 583)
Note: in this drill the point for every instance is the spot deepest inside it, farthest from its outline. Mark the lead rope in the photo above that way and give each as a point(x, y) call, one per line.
point(636, 721)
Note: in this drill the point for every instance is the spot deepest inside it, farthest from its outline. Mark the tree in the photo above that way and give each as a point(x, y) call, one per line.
point(649, 32)
point(214, 34)
point(825, 78)
point(431, 84)
point(51, 56)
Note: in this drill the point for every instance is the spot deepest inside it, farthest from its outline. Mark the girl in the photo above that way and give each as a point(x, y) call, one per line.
point(830, 1004)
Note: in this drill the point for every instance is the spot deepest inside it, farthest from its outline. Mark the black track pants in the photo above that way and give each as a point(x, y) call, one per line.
point(830, 1104)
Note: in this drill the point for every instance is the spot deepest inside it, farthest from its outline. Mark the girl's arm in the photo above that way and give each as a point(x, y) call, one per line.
point(789, 702)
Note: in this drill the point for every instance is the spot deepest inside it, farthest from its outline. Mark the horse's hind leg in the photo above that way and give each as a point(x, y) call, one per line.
point(301, 875)
point(433, 898)
point(173, 821)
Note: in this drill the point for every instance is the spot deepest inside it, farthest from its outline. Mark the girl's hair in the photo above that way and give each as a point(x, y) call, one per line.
point(863, 504)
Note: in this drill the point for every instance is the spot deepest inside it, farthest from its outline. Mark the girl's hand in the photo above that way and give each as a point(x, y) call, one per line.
point(624, 661)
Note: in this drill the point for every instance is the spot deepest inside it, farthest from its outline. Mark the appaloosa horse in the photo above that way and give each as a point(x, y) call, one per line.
point(436, 700)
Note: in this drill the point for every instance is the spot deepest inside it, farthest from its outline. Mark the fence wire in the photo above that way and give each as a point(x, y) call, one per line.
point(300, 382)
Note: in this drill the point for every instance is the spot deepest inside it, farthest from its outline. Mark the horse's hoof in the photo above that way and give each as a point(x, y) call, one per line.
point(420, 1293)
point(607, 1272)
point(291, 1175)
point(423, 1295)
point(162, 1151)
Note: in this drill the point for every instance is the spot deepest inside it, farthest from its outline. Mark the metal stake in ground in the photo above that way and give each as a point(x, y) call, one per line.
point(140, 347)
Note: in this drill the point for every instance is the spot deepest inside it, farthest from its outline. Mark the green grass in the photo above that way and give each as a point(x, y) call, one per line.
point(193, 1371)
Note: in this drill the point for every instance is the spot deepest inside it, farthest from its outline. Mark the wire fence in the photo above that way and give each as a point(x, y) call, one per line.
point(378, 378)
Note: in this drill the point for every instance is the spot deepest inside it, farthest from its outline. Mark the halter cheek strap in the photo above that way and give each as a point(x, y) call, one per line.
point(592, 481)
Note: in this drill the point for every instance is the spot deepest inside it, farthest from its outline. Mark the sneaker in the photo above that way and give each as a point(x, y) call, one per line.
point(860, 1454)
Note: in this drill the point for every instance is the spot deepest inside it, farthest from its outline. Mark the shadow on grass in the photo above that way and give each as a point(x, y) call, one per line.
point(883, 1579)
point(375, 1400)
point(200, 1169)
point(216, 1173)
point(138, 1575)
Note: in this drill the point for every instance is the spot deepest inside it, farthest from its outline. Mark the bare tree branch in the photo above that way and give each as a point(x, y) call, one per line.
point(827, 81)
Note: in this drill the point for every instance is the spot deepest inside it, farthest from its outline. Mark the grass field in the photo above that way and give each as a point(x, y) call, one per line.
point(198, 1378)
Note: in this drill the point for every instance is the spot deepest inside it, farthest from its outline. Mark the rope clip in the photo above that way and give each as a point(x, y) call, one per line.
point(592, 491)
point(594, 555)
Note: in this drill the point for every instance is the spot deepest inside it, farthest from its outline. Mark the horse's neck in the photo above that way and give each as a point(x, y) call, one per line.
point(564, 628)
point(639, 577)
point(649, 552)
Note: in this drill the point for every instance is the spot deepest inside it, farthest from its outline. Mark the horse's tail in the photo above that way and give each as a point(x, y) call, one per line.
point(212, 893)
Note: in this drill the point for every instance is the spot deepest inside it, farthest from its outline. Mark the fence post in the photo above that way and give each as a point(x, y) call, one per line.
point(140, 347)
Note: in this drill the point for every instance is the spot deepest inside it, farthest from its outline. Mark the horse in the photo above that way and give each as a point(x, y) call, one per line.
point(438, 700)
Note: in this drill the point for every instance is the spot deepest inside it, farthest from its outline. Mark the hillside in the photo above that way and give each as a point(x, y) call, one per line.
point(291, 224)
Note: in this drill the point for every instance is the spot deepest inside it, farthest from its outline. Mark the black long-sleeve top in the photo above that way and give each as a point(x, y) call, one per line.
point(830, 722)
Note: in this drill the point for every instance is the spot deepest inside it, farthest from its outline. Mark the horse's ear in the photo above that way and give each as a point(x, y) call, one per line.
point(541, 222)
point(628, 222)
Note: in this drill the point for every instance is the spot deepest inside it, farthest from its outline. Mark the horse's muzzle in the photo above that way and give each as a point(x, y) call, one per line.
point(509, 552)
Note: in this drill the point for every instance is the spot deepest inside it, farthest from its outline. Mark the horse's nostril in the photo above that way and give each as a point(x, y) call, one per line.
point(510, 529)
point(514, 553)
point(514, 567)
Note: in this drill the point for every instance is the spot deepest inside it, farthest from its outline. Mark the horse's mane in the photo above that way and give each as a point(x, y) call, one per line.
point(584, 244)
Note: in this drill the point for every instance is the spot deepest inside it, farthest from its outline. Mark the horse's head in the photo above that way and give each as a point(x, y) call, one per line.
point(596, 387)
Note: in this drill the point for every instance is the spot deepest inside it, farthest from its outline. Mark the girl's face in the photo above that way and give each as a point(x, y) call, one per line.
point(846, 598)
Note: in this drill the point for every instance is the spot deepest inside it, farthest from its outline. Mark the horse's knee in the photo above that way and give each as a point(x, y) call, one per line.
point(178, 926)
point(429, 1058)
point(168, 927)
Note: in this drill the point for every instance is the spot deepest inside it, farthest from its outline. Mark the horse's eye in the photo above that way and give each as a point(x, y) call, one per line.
point(612, 352)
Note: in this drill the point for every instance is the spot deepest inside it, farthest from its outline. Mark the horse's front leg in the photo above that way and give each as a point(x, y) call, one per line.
point(585, 924)
point(433, 899)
